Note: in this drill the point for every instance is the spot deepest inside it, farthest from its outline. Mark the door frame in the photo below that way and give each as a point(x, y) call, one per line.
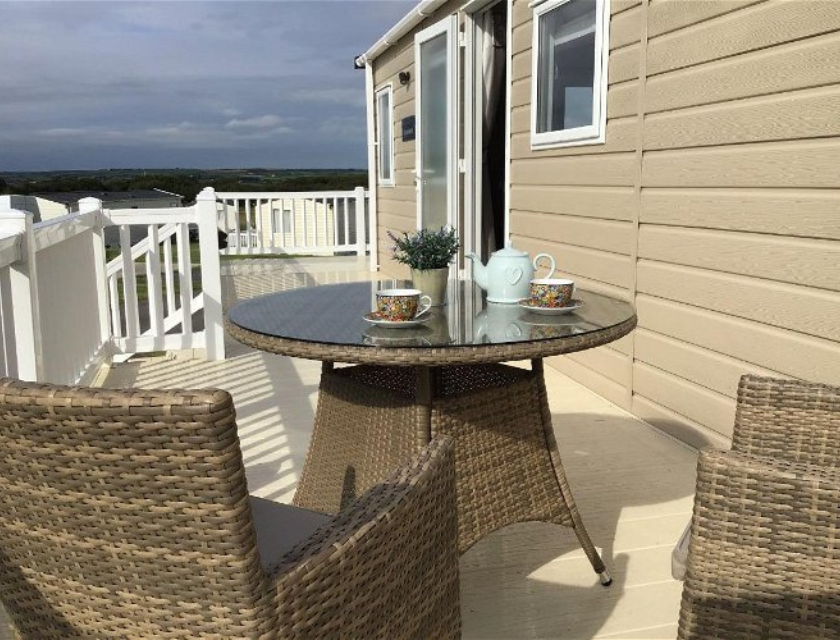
point(473, 126)
point(449, 27)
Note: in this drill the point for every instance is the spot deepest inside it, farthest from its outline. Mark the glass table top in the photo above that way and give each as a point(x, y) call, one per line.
point(334, 314)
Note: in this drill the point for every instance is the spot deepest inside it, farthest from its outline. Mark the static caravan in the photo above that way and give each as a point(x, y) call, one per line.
point(680, 154)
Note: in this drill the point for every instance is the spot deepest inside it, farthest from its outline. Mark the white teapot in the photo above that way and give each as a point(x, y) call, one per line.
point(500, 323)
point(507, 276)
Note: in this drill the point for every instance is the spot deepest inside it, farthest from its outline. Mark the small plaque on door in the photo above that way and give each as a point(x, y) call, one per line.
point(408, 128)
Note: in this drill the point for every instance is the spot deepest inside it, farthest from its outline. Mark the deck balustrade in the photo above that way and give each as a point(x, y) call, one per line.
point(65, 307)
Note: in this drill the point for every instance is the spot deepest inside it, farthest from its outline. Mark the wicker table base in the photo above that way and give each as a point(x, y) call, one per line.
point(370, 419)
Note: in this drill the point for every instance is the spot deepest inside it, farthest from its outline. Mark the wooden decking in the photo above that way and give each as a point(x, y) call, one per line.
point(633, 486)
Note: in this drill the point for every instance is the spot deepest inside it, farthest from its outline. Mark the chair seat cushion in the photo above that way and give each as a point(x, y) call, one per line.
point(280, 527)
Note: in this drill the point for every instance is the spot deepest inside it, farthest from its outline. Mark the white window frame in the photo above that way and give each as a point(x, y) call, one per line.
point(590, 134)
point(388, 90)
point(282, 215)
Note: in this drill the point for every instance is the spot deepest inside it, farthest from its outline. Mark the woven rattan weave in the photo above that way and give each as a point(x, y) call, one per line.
point(372, 417)
point(764, 557)
point(506, 459)
point(126, 514)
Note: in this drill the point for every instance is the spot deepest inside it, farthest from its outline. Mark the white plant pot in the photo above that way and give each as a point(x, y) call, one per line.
point(432, 282)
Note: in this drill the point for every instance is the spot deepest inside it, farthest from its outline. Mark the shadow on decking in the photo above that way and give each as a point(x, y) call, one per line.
point(634, 489)
point(271, 400)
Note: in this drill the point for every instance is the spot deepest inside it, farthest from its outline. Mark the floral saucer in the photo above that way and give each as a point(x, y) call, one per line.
point(376, 319)
point(526, 303)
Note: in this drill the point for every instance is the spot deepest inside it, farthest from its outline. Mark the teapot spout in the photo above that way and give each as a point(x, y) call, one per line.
point(479, 271)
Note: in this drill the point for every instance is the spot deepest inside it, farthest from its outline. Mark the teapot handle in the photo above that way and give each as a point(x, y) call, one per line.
point(551, 259)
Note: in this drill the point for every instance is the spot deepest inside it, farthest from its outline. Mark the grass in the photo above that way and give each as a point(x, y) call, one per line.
point(195, 255)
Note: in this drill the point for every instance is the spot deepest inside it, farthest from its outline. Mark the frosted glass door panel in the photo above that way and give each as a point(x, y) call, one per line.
point(434, 143)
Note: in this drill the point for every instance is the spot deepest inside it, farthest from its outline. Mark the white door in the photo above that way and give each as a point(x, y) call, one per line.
point(435, 52)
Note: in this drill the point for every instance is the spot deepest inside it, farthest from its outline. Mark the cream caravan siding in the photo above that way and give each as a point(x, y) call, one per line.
point(311, 220)
point(396, 205)
point(581, 203)
point(740, 207)
point(714, 204)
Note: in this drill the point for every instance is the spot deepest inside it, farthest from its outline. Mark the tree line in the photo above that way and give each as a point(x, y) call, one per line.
point(187, 184)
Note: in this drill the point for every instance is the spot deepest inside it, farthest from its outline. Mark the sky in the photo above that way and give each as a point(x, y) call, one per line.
point(200, 84)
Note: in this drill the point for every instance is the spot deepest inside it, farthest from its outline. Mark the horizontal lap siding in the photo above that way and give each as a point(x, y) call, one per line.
point(714, 204)
point(579, 203)
point(739, 238)
point(395, 205)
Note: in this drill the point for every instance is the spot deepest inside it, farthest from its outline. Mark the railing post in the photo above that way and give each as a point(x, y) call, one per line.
point(361, 245)
point(23, 285)
point(211, 274)
point(93, 206)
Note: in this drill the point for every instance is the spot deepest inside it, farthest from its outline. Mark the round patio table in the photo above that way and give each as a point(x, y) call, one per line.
point(444, 375)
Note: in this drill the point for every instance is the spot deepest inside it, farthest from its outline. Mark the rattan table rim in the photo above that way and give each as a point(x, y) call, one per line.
point(429, 356)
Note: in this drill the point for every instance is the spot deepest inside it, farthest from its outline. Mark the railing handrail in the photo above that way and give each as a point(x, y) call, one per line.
point(48, 233)
point(116, 217)
point(10, 249)
point(276, 195)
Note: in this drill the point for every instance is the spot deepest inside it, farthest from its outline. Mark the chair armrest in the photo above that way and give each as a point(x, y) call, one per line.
point(788, 419)
point(764, 550)
point(385, 566)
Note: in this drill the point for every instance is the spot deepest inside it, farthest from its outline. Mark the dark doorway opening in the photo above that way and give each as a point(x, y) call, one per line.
point(494, 95)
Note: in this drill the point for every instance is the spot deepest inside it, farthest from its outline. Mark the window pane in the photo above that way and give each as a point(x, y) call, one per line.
point(385, 141)
point(287, 219)
point(434, 185)
point(566, 66)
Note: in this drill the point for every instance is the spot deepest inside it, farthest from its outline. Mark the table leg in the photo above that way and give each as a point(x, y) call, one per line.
point(367, 423)
point(372, 419)
point(563, 483)
point(423, 396)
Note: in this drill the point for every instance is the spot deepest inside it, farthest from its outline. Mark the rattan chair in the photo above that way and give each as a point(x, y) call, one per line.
point(764, 556)
point(126, 514)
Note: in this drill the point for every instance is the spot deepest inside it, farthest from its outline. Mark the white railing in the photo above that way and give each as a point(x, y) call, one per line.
point(312, 223)
point(63, 310)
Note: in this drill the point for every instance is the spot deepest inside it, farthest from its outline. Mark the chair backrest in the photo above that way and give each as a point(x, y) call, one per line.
point(788, 419)
point(125, 513)
point(386, 566)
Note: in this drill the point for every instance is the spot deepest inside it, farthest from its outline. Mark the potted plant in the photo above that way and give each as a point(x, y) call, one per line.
point(428, 253)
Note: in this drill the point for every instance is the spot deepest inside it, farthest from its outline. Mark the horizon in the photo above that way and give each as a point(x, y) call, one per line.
point(169, 169)
point(207, 85)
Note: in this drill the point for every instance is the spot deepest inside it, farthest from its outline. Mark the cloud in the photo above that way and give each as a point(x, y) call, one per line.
point(336, 96)
point(63, 132)
point(344, 127)
point(256, 122)
point(186, 83)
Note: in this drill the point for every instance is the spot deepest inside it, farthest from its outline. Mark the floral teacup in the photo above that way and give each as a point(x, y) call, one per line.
point(551, 292)
point(400, 305)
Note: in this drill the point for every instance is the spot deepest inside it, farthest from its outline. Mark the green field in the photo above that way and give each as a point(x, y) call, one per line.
point(185, 182)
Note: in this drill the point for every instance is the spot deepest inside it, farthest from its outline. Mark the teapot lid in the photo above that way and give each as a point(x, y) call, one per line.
point(510, 252)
